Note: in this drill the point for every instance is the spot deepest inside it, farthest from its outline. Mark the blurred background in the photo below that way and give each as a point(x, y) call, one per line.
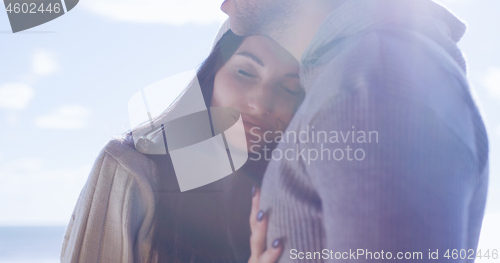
point(65, 85)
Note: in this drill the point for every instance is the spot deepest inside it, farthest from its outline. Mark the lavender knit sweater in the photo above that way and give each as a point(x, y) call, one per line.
point(393, 154)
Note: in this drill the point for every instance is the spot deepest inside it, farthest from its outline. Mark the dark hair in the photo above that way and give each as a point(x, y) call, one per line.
point(188, 224)
point(222, 52)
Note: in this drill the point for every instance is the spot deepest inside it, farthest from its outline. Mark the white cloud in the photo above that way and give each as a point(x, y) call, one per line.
point(497, 131)
point(65, 118)
point(173, 12)
point(492, 82)
point(15, 96)
point(43, 63)
point(30, 194)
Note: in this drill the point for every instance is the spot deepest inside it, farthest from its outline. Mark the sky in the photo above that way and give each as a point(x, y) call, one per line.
point(65, 85)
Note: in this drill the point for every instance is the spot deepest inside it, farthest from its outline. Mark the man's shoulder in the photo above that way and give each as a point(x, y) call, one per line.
point(398, 62)
point(404, 68)
point(395, 50)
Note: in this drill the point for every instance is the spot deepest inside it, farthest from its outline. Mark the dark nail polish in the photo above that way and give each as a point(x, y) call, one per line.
point(254, 190)
point(276, 243)
point(260, 215)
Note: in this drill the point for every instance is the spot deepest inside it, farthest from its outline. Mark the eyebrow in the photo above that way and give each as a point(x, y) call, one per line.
point(251, 56)
point(258, 61)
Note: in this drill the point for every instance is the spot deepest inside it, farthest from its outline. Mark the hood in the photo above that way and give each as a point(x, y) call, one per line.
point(358, 16)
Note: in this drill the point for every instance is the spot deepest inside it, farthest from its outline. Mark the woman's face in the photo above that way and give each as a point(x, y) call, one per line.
point(261, 81)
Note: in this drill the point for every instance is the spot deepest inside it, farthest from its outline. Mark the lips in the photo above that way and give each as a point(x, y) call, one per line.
point(254, 125)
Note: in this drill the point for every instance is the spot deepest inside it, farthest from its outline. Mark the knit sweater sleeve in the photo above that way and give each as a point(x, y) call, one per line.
point(112, 220)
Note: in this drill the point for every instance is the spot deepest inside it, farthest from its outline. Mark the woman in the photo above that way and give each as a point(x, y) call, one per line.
point(131, 209)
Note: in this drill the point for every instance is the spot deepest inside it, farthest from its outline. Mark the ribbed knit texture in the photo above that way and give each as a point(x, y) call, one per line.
point(113, 218)
point(392, 67)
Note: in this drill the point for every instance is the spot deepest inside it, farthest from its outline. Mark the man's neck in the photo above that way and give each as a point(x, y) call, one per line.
point(306, 25)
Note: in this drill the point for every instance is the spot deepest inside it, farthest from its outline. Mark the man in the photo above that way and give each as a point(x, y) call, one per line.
point(393, 158)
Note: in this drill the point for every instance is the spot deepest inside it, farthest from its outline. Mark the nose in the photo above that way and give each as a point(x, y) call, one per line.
point(260, 100)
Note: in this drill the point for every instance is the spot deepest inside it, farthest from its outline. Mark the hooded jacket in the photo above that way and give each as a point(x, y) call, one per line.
point(393, 152)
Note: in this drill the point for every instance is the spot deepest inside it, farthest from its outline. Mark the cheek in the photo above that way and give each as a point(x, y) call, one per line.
point(285, 111)
point(226, 92)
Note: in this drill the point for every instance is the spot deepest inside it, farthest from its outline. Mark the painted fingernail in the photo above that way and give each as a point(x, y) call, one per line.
point(260, 215)
point(254, 190)
point(276, 243)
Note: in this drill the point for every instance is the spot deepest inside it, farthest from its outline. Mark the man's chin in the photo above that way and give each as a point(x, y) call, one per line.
point(238, 25)
point(225, 6)
point(227, 9)
point(241, 29)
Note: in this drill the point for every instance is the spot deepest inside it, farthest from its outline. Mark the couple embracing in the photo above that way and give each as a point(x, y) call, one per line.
point(386, 66)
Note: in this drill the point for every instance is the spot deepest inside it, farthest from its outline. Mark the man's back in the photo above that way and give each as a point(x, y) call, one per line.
point(388, 151)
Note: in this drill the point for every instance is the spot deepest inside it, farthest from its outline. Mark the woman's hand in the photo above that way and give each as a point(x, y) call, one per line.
point(258, 225)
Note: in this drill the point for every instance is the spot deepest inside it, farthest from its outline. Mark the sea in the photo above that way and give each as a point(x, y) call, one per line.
point(42, 244)
point(31, 244)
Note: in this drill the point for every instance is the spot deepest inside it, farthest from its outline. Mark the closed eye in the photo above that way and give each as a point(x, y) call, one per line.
point(245, 74)
point(292, 92)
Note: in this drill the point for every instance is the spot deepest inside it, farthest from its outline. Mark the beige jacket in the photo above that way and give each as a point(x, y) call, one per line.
point(113, 218)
